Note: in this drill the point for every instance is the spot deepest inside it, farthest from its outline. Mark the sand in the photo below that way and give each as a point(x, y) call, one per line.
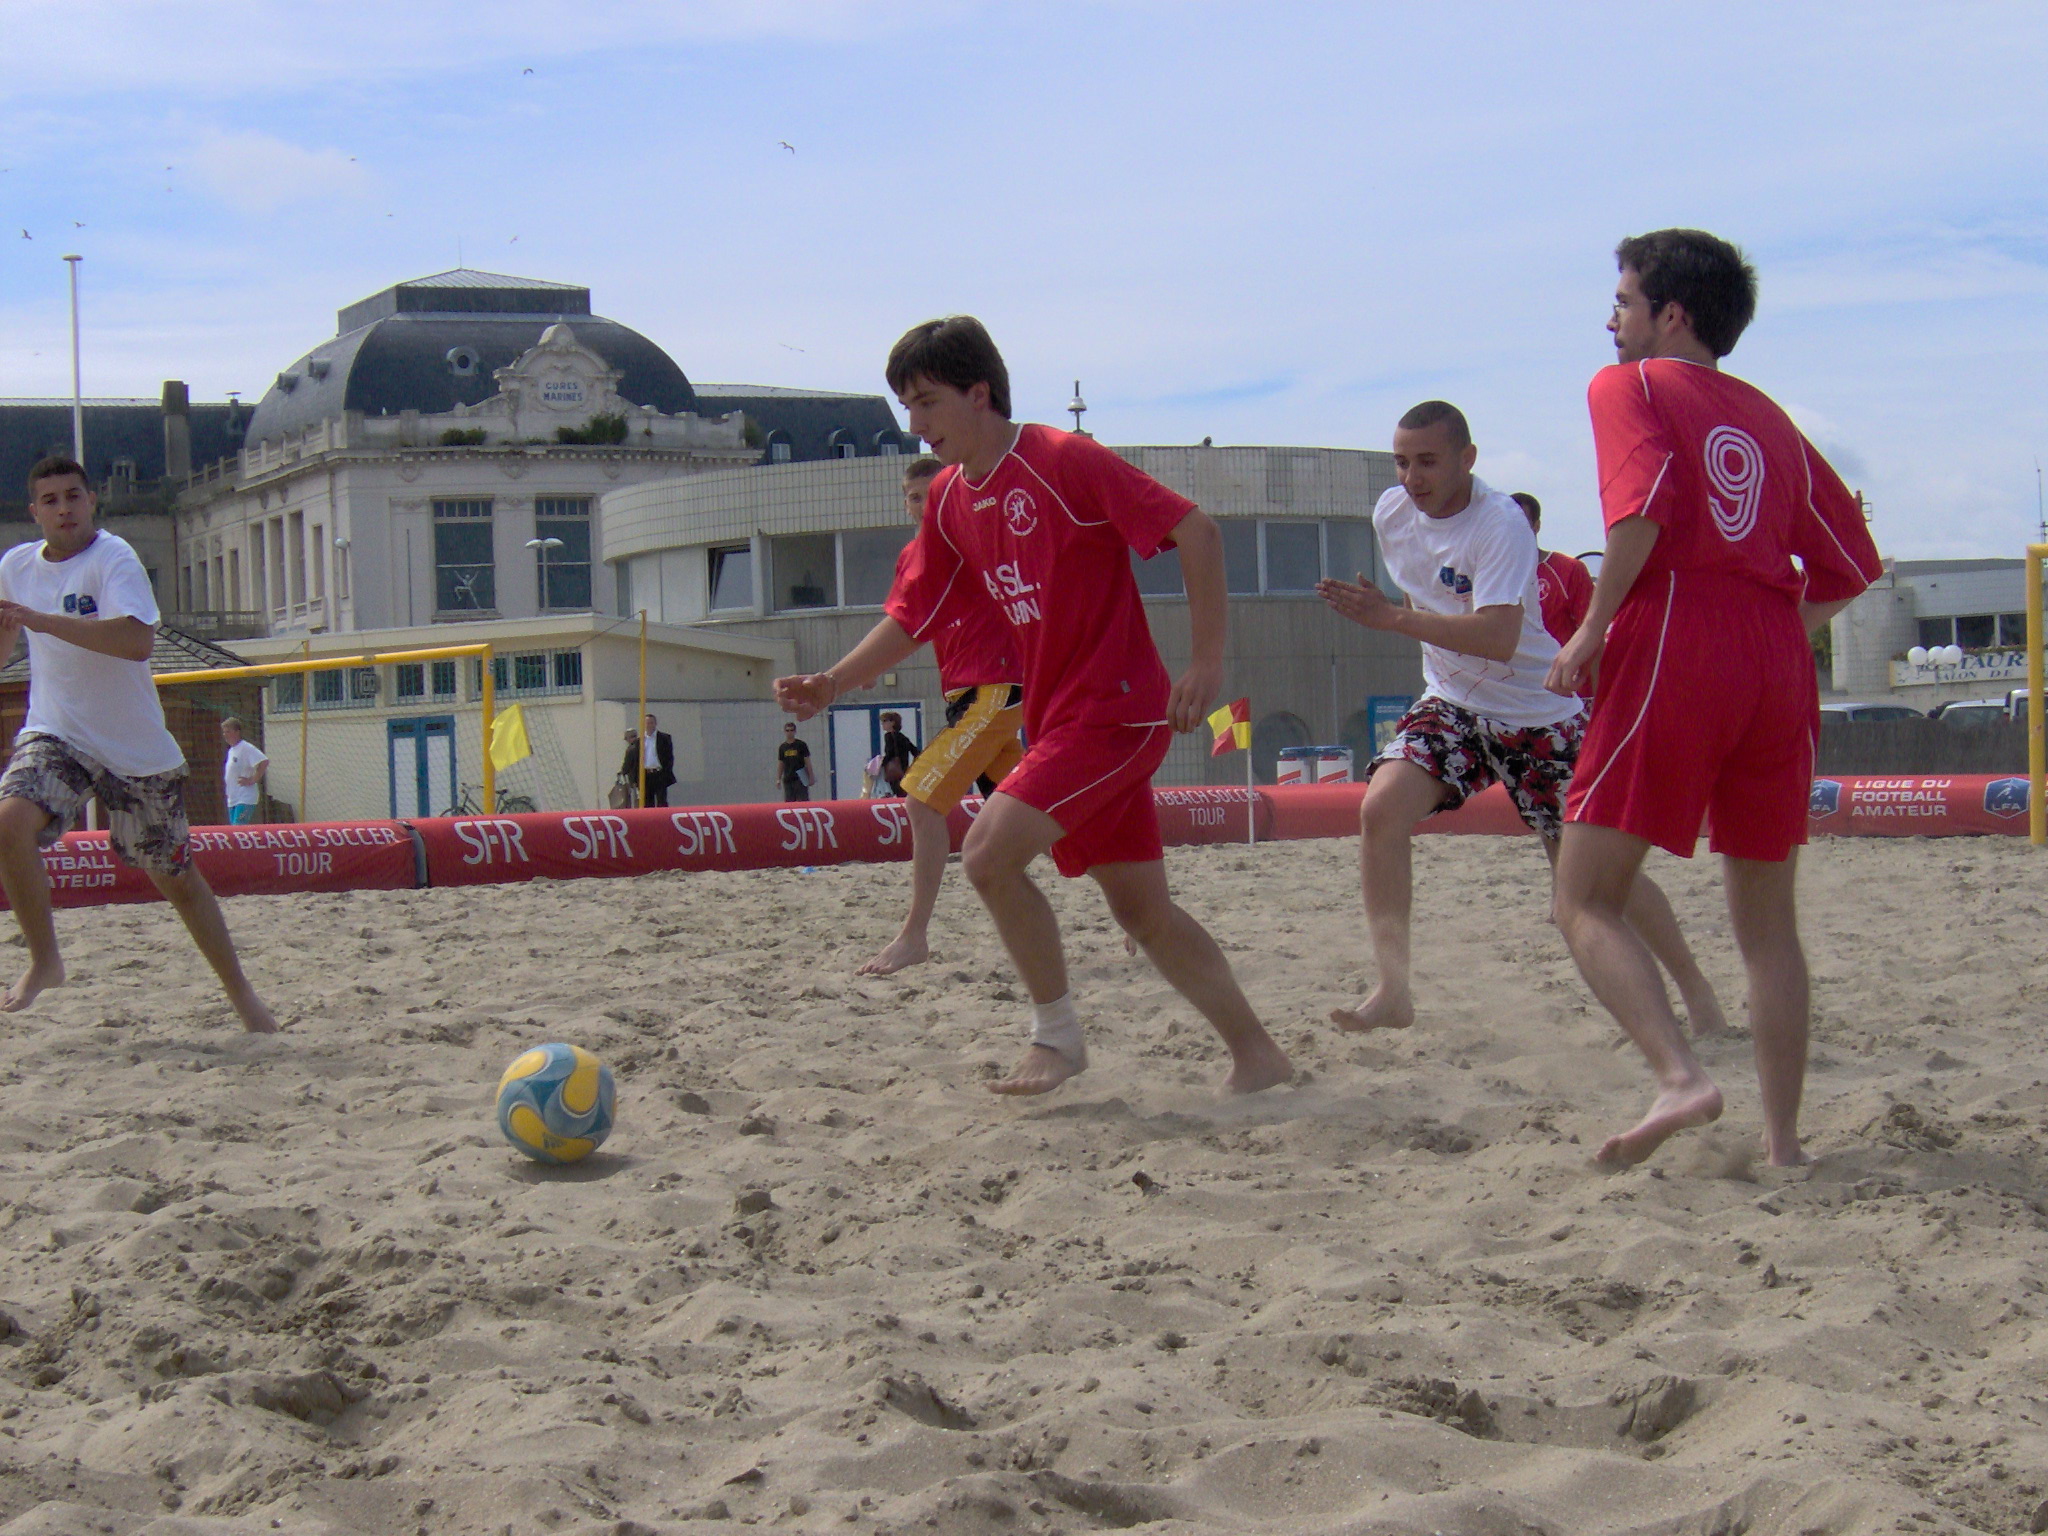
point(819, 1280)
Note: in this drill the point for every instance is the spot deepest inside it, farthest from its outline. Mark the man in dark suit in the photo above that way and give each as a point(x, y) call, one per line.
point(656, 752)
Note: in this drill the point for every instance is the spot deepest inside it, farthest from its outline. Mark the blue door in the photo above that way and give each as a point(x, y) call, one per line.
point(422, 751)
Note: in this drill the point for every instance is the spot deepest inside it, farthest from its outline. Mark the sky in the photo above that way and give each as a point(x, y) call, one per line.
point(1273, 224)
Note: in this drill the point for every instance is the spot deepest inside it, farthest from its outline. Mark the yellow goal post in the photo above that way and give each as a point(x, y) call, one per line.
point(487, 693)
point(2037, 725)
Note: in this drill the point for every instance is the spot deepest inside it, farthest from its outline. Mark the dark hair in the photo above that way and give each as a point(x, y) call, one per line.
point(924, 467)
point(1426, 415)
point(957, 352)
point(891, 714)
point(1705, 275)
point(1531, 507)
point(55, 467)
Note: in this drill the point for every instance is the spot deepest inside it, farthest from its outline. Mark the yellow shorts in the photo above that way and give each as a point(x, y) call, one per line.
point(980, 740)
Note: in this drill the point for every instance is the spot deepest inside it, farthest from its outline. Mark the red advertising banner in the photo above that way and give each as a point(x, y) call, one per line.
point(1960, 804)
point(487, 850)
point(1331, 810)
point(244, 861)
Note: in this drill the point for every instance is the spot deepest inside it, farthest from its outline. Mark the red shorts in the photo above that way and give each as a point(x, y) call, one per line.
point(1708, 710)
point(1096, 782)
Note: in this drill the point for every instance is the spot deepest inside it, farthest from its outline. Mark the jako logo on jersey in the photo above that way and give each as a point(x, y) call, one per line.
point(1735, 466)
point(1462, 585)
point(1020, 512)
point(84, 606)
point(1826, 798)
point(2006, 797)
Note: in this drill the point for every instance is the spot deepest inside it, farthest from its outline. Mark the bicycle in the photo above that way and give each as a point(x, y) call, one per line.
point(472, 804)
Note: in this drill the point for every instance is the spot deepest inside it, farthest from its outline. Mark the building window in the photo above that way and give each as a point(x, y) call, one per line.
point(804, 570)
point(1935, 632)
point(732, 578)
point(569, 670)
point(1240, 556)
point(408, 681)
point(443, 678)
point(1294, 556)
point(529, 672)
point(2012, 629)
point(465, 566)
point(842, 445)
point(290, 690)
point(868, 557)
point(779, 451)
point(327, 688)
point(1160, 576)
point(1350, 547)
point(565, 572)
point(1976, 631)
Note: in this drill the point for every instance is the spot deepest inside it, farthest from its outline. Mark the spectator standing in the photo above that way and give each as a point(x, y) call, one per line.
point(653, 752)
point(793, 764)
point(898, 753)
point(243, 771)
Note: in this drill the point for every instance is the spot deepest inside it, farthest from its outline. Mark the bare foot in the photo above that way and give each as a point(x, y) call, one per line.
point(1042, 1070)
point(899, 954)
point(1385, 1009)
point(1796, 1156)
point(1258, 1066)
point(1674, 1110)
point(1703, 1012)
point(257, 1018)
point(35, 980)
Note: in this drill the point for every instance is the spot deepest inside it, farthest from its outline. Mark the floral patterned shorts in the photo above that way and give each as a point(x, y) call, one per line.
point(1465, 753)
point(145, 816)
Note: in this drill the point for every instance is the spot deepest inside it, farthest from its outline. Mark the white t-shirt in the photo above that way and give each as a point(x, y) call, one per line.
point(244, 757)
point(103, 705)
point(1482, 557)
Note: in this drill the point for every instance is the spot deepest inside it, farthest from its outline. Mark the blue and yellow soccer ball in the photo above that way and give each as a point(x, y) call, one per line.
point(555, 1103)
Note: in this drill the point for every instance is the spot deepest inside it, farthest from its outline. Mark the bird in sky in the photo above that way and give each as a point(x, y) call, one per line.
point(787, 145)
point(78, 223)
point(26, 235)
point(526, 71)
point(513, 241)
point(787, 347)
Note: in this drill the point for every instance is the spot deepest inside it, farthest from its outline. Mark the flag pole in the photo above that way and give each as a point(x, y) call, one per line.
point(1251, 803)
point(640, 725)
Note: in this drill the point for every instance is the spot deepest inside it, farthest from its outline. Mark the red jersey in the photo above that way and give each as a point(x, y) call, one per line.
point(975, 647)
point(1046, 536)
point(1565, 588)
point(1734, 487)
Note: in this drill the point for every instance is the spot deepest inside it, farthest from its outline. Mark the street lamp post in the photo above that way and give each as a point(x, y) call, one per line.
point(544, 545)
point(77, 394)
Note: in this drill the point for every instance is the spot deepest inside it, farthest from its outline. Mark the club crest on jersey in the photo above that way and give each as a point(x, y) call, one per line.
point(85, 605)
point(1457, 582)
point(1020, 512)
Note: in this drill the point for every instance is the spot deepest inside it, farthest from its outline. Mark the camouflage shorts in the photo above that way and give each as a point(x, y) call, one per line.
point(145, 816)
point(1465, 753)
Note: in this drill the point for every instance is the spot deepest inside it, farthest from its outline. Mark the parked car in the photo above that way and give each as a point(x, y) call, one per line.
point(1833, 713)
point(1968, 712)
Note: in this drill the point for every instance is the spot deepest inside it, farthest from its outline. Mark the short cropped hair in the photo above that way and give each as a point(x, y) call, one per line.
point(55, 467)
point(892, 715)
point(924, 467)
point(1703, 272)
point(236, 722)
point(1426, 415)
point(1531, 507)
point(957, 352)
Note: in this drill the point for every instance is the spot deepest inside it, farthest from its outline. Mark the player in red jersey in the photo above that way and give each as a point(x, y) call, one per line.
point(1709, 703)
point(1563, 584)
point(1565, 589)
point(1043, 522)
point(979, 744)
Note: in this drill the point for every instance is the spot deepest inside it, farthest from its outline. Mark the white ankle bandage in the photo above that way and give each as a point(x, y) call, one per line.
point(1057, 1027)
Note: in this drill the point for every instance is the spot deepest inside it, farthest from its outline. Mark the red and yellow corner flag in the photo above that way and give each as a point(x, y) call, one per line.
point(1233, 727)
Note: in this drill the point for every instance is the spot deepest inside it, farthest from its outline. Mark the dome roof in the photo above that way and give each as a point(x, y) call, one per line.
point(433, 344)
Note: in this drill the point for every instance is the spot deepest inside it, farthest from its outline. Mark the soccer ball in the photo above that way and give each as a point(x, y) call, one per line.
point(555, 1103)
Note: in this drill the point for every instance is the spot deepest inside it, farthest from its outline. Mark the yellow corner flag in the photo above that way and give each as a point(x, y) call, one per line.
point(508, 738)
point(1233, 727)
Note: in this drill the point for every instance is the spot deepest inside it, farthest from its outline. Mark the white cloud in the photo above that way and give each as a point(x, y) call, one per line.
point(258, 173)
